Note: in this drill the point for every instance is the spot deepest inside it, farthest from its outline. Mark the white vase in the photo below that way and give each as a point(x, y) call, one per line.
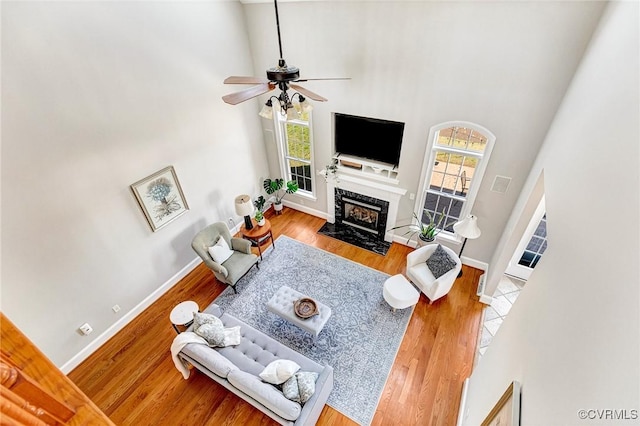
point(261, 222)
point(277, 207)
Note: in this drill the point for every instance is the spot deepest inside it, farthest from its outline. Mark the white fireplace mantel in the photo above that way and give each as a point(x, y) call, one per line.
point(381, 191)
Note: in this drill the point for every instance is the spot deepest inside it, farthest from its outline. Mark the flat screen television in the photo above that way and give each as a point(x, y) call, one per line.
point(368, 138)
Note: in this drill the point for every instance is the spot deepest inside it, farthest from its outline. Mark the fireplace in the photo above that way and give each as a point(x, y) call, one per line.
point(361, 212)
point(360, 215)
point(361, 209)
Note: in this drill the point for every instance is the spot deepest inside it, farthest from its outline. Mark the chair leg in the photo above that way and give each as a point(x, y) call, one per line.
point(258, 265)
point(234, 289)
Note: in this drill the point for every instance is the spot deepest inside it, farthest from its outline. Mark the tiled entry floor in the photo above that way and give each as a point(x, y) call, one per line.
point(505, 296)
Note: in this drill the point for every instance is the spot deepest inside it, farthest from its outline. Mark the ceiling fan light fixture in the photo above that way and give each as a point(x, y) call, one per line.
point(282, 76)
point(305, 105)
point(267, 110)
point(292, 112)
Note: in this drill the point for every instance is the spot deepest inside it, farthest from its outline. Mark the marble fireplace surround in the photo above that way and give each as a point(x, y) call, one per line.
point(369, 188)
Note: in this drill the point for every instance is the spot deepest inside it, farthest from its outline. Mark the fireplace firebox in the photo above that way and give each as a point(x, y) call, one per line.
point(361, 212)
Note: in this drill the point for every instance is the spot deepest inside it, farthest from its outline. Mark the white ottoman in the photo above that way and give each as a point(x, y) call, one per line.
point(281, 304)
point(399, 293)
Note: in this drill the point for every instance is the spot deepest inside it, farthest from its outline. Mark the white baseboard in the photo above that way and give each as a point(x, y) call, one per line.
point(128, 317)
point(487, 300)
point(463, 403)
point(305, 209)
point(474, 263)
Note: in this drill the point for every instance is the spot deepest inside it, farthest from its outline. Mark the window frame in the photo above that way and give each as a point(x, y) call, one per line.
point(429, 163)
point(280, 124)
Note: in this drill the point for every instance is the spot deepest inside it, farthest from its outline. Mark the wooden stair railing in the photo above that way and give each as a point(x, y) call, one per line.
point(33, 391)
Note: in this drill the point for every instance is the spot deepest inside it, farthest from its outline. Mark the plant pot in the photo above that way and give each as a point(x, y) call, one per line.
point(261, 222)
point(277, 207)
point(423, 241)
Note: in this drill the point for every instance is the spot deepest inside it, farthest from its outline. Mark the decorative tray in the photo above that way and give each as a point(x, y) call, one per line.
point(305, 307)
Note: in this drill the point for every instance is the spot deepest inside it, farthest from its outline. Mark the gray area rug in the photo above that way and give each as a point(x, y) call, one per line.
point(360, 340)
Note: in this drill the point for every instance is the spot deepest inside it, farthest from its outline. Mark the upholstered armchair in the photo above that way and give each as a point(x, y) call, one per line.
point(239, 260)
point(422, 276)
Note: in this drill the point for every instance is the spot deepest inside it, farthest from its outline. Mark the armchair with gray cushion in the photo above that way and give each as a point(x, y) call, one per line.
point(236, 266)
point(419, 272)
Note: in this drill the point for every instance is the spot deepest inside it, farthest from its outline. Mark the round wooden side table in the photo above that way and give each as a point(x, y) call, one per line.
point(258, 235)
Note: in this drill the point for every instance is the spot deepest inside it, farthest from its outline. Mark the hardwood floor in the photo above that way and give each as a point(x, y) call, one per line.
point(133, 380)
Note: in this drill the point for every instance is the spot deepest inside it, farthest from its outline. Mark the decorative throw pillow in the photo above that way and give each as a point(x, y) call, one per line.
point(200, 318)
point(440, 262)
point(232, 336)
point(279, 371)
point(220, 251)
point(212, 333)
point(300, 387)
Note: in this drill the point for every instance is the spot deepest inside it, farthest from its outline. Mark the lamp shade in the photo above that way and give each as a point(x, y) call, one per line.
point(267, 111)
point(243, 205)
point(468, 228)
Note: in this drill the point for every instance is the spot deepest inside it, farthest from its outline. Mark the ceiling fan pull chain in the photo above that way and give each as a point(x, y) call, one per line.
point(275, 4)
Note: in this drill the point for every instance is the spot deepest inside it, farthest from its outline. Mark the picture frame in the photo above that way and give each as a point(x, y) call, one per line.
point(160, 198)
point(506, 412)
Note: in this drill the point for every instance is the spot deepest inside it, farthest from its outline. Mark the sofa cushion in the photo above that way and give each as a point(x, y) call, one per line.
point(215, 362)
point(212, 333)
point(279, 371)
point(265, 394)
point(440, 262)
point(232, 336)
point(200, 318)
point(300, 387)
point(220, 252)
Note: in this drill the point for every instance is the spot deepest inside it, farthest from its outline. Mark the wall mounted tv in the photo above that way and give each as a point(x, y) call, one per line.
point(369, 138)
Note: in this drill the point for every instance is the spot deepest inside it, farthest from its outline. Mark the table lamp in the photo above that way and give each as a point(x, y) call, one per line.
point(244, 207)
point(467, 228)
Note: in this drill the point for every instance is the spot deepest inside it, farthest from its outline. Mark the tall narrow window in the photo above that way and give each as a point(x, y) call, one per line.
point(297, 151)
point(455, 161)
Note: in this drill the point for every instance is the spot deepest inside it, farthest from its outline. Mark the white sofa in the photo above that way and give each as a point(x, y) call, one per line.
point(238, 367)
point(420, 274)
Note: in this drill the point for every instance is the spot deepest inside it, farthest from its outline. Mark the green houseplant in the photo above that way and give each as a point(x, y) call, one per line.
point(426, 231)
point(259, 214)
point(277, 188)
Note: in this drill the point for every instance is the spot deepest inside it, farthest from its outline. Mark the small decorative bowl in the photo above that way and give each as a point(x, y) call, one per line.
point(305, 308)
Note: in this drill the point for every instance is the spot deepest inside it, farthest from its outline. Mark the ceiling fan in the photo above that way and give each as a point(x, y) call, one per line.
point(282, 76)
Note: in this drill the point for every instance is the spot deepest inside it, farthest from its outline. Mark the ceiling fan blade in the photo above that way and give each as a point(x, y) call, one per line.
point(234, 79)
point(330, 78)
point(308, 93)
point(251, 92)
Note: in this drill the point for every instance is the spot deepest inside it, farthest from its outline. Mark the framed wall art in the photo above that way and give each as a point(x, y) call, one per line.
point(506, 412)
point(160, 197)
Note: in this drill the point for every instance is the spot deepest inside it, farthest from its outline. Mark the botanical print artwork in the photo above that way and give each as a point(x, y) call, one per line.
point(160, 191)
point(160, 197)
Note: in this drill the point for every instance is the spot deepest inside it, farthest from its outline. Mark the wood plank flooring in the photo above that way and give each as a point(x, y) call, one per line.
point(133, 380)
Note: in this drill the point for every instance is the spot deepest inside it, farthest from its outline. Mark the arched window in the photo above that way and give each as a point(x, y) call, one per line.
point(454, 164)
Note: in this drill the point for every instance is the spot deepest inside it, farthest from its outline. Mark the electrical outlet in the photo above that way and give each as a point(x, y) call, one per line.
point(231, 222)
point(412, 196)
point(85, 329)
point(116, 308)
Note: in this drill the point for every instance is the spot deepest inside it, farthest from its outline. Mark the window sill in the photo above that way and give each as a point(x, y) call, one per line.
point(306, 195)
point(449, 238)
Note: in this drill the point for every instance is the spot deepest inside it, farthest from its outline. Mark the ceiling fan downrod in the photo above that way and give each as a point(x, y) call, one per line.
point(282, 63)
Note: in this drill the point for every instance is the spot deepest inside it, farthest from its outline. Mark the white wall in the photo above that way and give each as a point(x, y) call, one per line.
point(572, 337)
point(504, 65)
point(95, 96)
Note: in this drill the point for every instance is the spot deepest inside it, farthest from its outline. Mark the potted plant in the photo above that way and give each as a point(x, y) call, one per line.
point(278, 189)
point(331, 171)
point(259, 214)
point(426, 231)
point(259, 217)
